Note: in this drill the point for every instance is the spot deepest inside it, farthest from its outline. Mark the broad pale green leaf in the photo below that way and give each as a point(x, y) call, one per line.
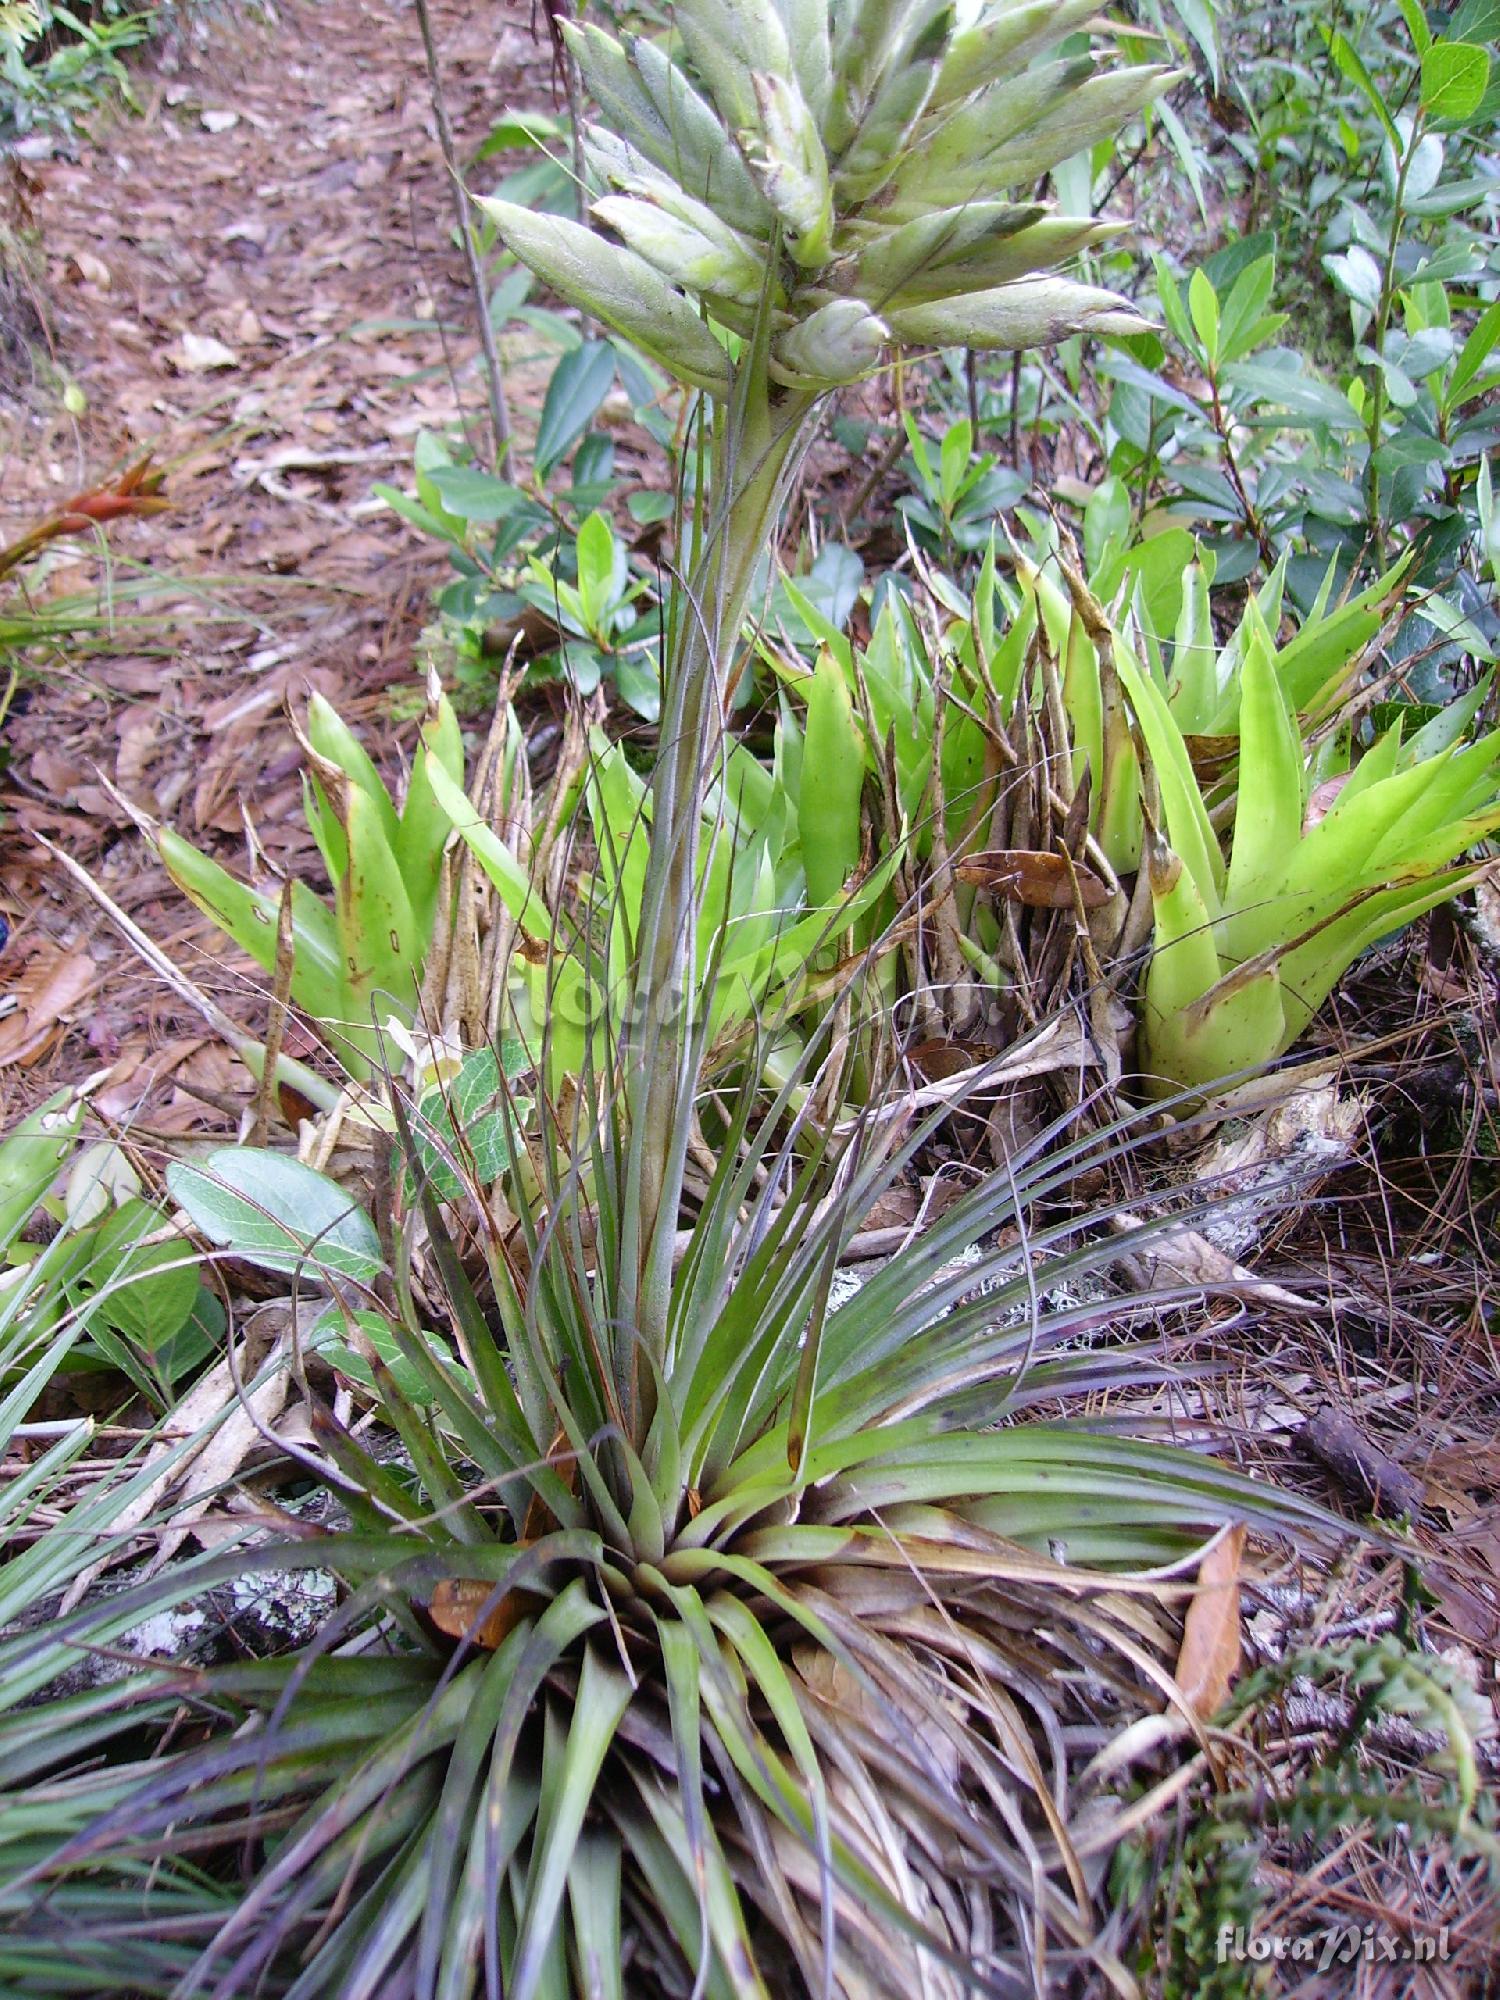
point(276, 1212)
point(1203, 304)
point(1268, 820)
point(1281, 380)
point(329, 1336)
point(833, 582)
point(1455, 76)
point(150, 1292)
point(1476, 21)
point(383, 955)
point(32, 1154)
point(472, 1105)
point(1411, 447)
point(333, 739)
point(1357, 275)
point(473, 495)
point(596, 570)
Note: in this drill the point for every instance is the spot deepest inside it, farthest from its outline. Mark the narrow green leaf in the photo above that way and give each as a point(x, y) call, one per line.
point(603, 1696)
point(1475, 352)
point(425, 828)
point(331, 737)
point(580, 382)
point(594, 1900)
point(497, 861)
point(250, 918)
point(1351, 63)
point(1416, 25)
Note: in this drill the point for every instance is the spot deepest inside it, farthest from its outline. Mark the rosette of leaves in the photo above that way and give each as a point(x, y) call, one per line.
point(768, 1702)
point(1246, 950)
point(366, 949)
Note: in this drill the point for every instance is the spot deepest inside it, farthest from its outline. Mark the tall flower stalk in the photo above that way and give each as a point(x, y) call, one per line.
point(793, 188)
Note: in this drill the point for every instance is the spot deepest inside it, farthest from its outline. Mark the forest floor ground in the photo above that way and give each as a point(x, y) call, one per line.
point(256, 281)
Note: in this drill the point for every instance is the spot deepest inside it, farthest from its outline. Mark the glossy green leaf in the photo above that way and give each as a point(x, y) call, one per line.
point(250, 918)
point(1352, 64)
point(580, 382)
point(1455, 76)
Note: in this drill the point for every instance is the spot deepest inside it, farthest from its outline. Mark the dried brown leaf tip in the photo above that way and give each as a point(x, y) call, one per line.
point(465, 1607)
point(1210, 1655)
point(1040, 880)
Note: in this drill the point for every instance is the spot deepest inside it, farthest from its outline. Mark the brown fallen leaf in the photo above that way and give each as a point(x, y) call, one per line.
point(1211, 756)
point(457, 1602)
point(58, 775)
point(1210, 1655)
point(51, 987)
point(1040, 880)
point(1322, 800)
point(82, 267)
point(935, 1060)
point(198, 353)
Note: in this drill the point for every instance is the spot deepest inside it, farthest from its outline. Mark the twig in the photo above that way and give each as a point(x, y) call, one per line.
point(265, 1093)
point(890, 452)
point(1359, 1464)
point(494, 374)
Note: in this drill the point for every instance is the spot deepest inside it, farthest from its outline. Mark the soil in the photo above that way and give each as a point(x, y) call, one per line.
point(257, 281)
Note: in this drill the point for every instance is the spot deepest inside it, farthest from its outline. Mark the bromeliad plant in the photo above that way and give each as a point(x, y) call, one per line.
point(765, 1702)
point(1046, 739)
point(1190, 738)
point(795, 189)
point(400, 943)
point(762, 1604)
point(1246, 952)
point(62, 1502)
point(1158, 626)
point(365, 957)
